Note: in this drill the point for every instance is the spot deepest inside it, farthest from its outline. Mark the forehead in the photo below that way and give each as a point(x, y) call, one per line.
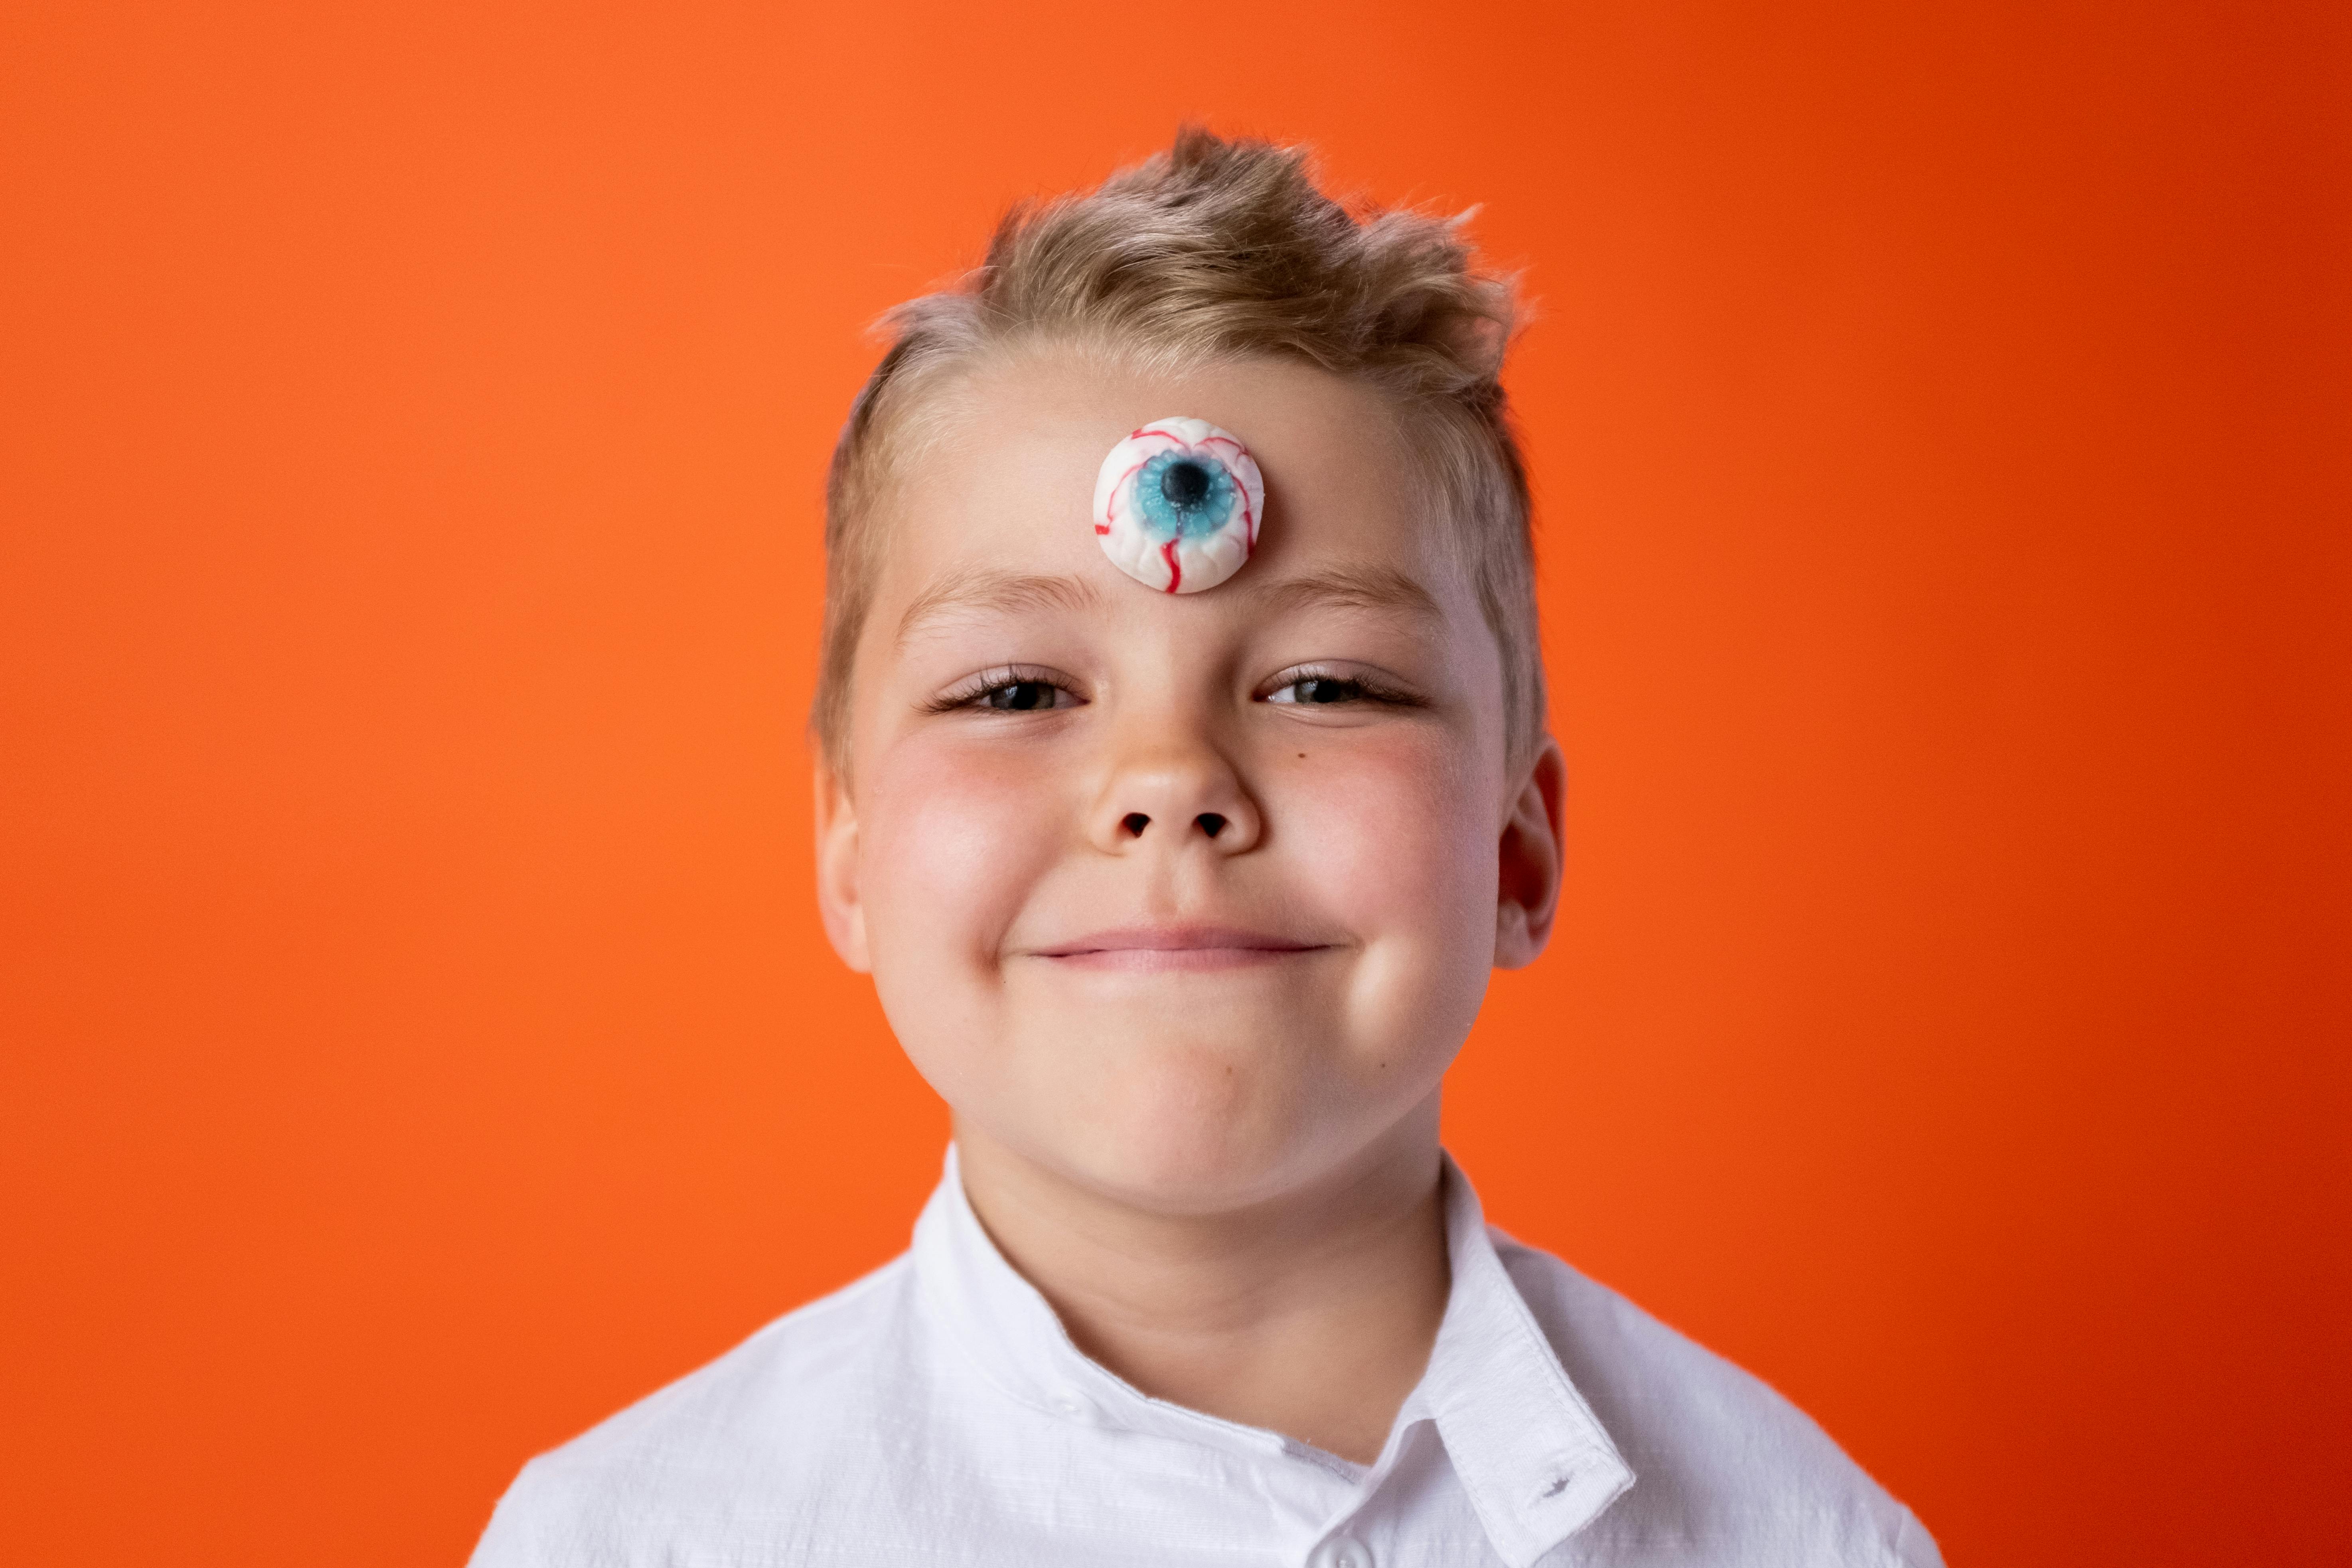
point(1006, 480)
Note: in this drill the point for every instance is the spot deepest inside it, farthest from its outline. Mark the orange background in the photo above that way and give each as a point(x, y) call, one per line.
point(418, 1038)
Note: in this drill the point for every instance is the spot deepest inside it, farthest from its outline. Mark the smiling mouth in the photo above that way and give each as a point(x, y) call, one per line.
point(1177, 947)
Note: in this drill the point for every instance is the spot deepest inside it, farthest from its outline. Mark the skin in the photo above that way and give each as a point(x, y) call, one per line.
point(1194, 1075)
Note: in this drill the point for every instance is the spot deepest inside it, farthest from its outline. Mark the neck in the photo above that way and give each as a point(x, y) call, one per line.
point(1311, 1314)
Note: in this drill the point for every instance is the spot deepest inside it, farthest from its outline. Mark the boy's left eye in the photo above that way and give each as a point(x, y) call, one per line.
point(1319, 691)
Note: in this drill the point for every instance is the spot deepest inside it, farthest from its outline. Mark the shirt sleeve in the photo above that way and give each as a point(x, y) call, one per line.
point(1913, 1547)
point(518, 1536)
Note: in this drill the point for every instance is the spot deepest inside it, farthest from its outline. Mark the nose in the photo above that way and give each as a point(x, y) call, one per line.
point(1170, 792)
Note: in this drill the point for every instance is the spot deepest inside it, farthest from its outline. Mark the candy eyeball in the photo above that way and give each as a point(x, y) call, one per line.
point(1177, 505)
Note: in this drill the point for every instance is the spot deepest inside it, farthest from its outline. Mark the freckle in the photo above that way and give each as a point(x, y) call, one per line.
point(1302, 756)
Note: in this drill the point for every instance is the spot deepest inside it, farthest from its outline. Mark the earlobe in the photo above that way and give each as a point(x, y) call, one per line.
point(838, 889)
point(1528, 862)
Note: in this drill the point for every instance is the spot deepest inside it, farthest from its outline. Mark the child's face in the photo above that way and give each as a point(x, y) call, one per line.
point(1177, 1018)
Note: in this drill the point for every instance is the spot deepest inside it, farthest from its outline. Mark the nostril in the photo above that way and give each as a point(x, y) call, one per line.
point(1134, 821)
point(1211, 822)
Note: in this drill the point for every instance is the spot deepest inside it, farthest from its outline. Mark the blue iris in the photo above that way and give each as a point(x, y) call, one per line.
point(1183, 497)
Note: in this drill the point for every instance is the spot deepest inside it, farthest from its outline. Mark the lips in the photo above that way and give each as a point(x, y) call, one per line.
point(1177, 947)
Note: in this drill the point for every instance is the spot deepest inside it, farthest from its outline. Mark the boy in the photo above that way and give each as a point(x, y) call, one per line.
point(1180, 869)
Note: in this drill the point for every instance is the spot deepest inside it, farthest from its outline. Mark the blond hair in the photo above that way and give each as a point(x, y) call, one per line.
point(1220, 250)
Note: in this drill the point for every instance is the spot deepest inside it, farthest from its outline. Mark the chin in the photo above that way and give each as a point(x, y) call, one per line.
point(1177, 1170)
point(1188, 1130)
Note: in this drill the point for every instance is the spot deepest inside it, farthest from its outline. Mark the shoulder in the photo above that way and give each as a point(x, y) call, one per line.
point(1725, 1471)
point(798, 1399)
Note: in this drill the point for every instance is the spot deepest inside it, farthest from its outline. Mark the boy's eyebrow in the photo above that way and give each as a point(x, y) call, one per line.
point(992, 591)
point(1348, 587)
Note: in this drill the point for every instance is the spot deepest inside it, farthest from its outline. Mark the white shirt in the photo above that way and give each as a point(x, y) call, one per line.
point(936, 1413)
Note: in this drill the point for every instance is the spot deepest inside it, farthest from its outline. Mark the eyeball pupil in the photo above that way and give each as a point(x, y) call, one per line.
point(1185, 485)
point(1022, 695)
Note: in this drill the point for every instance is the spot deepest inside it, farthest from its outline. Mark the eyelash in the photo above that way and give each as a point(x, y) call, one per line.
point(972, 693)
point(1364, 689)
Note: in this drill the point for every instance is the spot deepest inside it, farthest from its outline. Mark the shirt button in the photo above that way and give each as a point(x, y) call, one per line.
point(1340, 1552)
point(1073, 1405)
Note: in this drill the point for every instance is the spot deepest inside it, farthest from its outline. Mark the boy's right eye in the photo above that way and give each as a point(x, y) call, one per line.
point(1007, 691)
point(1021, 697)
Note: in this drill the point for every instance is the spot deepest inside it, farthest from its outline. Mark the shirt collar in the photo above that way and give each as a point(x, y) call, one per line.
point(1530, 1454)
point(1534, 1459)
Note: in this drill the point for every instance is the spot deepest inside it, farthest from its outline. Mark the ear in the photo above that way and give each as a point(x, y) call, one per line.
point(1526, 891)
point(836, 869)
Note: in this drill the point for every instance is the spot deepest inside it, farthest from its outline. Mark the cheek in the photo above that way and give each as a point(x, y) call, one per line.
point(1394, 838)
point(950, 838)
